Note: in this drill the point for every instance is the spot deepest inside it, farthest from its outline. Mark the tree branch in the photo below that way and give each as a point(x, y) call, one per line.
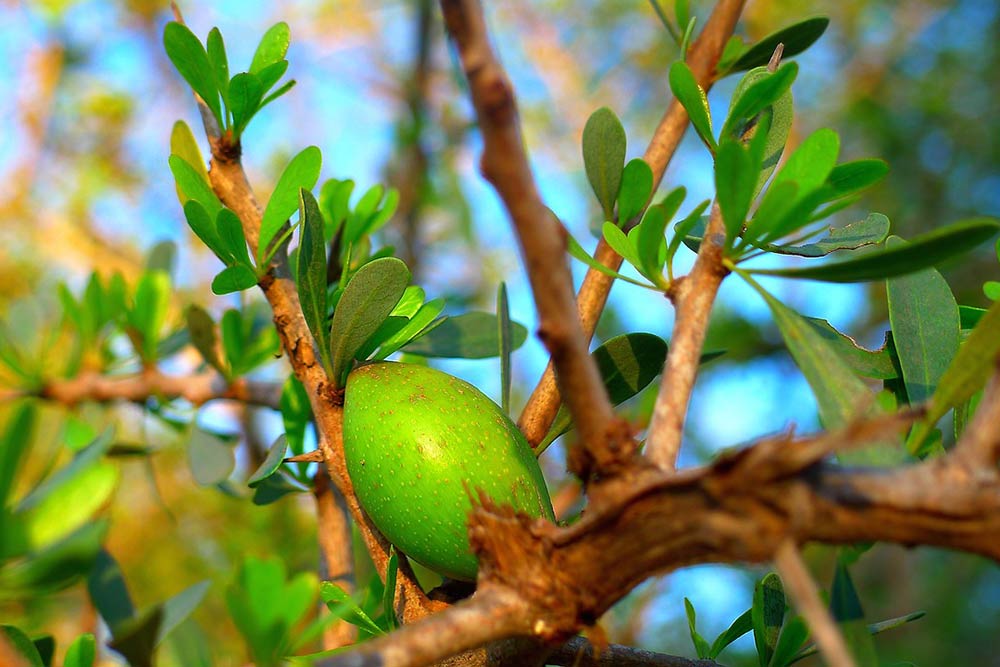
point(543, 404)
point(605, 440)
point(802, 589)
point(578, 652)
point(337, 559)
point(742, 508)
point(197, 388)
point(980, 443)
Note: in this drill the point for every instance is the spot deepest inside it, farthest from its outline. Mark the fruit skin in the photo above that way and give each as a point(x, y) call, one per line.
point(417, 443)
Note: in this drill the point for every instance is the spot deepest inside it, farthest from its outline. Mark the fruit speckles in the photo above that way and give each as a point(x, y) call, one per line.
point(429, 440)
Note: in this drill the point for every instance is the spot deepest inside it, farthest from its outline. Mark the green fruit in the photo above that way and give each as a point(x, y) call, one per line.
point(418, 442)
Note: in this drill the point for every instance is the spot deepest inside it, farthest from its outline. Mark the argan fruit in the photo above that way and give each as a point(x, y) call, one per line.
point(418, 444)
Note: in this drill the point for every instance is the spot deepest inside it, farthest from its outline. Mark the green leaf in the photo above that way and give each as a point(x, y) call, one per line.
point(188, 56)
point(185, 146)
point(82, 652)
point(272, 48)
point(682, 229)
point(926, 250)
point(16, 439)
point(872, 230)
point(234, 242)
point(56, 566)
point(201, 328)
point(812, 162)
point(245, 94)
point(735, 180)
point(22, 646)
point(419, 323)
point(767, 616)
point(215, 48)
point(968, 372)
point(851, 177)
point(636, 188)
point(504, 333)
point(136, 638)
point(272, 462)
point(211, 459)
point(701, 646)
point(46, 647)
point(234, 278)
point(370, 296)
point(762, 90)
point(389, 591)
point(795, 38)
point(649, 240)
point(275, 487)
point(574, 248)
point(742, 625)
point(790, 641)
point(925, 326)
point(604, 146)
point(203, 227)
point(620, 243)
point(692, 97)
point(627, 364)
point(269, 76)
point(179, 607)
point(108, 590)
point(838, 391)
point(877, 364)
point(846, 609)
point(345, 608)
point(312, 272)
point(194, 186)
point(302, 172)
point(285, 87)
point(467, 336)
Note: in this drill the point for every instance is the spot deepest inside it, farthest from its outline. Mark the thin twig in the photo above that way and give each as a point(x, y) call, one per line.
point(196, 388)
point(802, 589)
point(605, 442)
point(543, 404)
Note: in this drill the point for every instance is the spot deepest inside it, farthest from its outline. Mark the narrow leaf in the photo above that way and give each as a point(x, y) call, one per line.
point(846, 609)
point(82, 652)
point(574, 248)
point(185, 146)
point(701, 646)
point(872, 230)
point(389, 591)
point(215, 48)
point(370, 296)
point(418, 324)
point(22, 646)
point(466, 336)
point(851, 177)
point(302, 172)
point(604, 144)
point(795, 38)
point(735, 180)
point(650, 240)
point(17, 437)
point(344, 607)
point(693, 99)
point(245, 94)
point(926, 250)
point(742, 625)
point(312, 272)
point(790, 642)
point(108, 590)
point(767, 616)
point(504, 334)
point(188, 55)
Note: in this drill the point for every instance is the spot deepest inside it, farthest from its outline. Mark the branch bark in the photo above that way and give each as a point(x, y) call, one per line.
point(197, 388)
point(605, 442)
point(543, 404)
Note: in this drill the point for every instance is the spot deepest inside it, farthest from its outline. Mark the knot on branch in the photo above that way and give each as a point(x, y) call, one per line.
point(225, 150)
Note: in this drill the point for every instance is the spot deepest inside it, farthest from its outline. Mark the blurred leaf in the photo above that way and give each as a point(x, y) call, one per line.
point(82, 652)
point(504, 333)
point(17, 437)
point(272, 48)
point(312, 272)
point(467, 336)
point(202, 330)
point(136, 638)
point(873, 628)
point(188, 55)
point(604, 145)
point(846, 609)
point(345, 608)
point(190, 646)
point(23, 646)
point(179, 607)
point(796, 39)
point(790, 641)
point(296, 413)
point(851, 177)
point(691, 96)
point(742, 625)
point(926, 250)
point(636, 189)
point(162, 257)
point(701, 647)
point(767, 615)
point(925, 327)
point(235, 278)
point(301, 173)
point(211, 459)
point(870, 231)
point(272, 462)
point(55, 567)
point(370, 296)
point(275, 487)
point(968, 372)
point(108, 590)
point(46, 647)
point(149, 311)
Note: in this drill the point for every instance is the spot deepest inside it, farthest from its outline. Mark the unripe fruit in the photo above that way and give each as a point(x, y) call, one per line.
point(418, 442)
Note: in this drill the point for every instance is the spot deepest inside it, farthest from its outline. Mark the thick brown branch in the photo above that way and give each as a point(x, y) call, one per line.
point(693, 297)
point(334, 535)
point(742, 508)
point(543, 404)
point(605, 440)
point(197, 388)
